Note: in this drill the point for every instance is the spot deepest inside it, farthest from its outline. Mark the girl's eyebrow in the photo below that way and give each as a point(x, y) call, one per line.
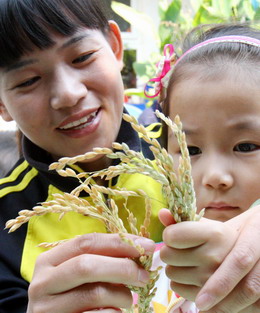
point(23, 63)
point(245, 125)
point(192, 130)
point(189, 131)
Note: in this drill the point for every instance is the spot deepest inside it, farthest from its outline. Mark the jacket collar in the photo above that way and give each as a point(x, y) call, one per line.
point(41, 159)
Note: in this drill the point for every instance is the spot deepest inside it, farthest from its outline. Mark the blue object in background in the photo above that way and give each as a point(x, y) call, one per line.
point(255, 4)
point(133, 110)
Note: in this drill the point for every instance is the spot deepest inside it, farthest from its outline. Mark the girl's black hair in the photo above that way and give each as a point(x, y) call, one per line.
point(205, 32)
point(26, 24)
point(214, 57)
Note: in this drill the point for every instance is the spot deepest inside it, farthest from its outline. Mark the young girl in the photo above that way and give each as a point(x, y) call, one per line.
point(214, 88)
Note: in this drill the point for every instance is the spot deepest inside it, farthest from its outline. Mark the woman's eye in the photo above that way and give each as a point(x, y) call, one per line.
point(28, 82)
point(246, 147)
point(194, 150)
point(82, 58)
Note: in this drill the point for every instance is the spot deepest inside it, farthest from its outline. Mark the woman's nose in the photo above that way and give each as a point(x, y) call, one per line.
point(217, 175)
point(67, 89)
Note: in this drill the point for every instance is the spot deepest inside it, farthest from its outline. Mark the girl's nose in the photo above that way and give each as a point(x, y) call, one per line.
point(218, 175)
point(67, 89)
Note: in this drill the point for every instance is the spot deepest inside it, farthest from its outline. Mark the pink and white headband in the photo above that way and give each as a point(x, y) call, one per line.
point(169, 61)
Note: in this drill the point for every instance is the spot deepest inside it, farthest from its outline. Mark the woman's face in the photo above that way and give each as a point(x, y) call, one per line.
point(67, 99)
point(221, 119)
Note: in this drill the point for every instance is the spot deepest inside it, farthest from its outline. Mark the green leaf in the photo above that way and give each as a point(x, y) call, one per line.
point(235, 3)
point(166, 32)
point(205, 15)
point(222, 8)
point(257, 15)
point(195, 4)
point(248, 9)
point(173, 11)
point(163, 6)
point(141, 21)
point(144, 70)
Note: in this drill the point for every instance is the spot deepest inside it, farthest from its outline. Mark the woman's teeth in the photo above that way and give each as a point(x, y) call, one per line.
point(83, 122)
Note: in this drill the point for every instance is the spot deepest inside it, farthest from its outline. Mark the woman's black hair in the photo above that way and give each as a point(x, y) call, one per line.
point(214, 57)
point(26, 24)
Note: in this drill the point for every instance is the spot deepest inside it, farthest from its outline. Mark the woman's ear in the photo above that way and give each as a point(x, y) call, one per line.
point(4, 113)
point(115, 41)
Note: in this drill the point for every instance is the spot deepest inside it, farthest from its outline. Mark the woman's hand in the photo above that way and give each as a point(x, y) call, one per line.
point(87, 273)
point(216, 264)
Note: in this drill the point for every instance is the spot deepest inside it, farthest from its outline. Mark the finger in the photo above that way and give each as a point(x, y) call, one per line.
point(253, 308)
point(201, 256)
point(237, 264)
point(245, 295)
point(104, 311)
point(88, 297)
point(94, 268)
point(247, 291)
point(166, 217)
point(186, 275)
point(239, 221)
point(188, 292)
point(96, 243)
point(192, 234)
point(182, 257)
point(176, 257)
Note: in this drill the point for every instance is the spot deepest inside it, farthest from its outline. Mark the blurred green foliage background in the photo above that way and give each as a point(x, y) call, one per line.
point(177, 17)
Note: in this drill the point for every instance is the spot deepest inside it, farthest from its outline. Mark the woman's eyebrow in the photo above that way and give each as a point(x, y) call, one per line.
point(23, 63)
point(19, 64)
point(73, 40)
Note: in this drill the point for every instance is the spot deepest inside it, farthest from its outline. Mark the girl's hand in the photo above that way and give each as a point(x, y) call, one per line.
point(217, 264)
point(87, 273)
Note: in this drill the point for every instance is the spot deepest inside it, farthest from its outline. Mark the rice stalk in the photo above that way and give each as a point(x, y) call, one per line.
point(177, 188)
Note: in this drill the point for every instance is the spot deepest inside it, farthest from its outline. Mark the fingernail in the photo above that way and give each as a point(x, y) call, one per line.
point(146, 243)
point(143, 276)
point(204, 302)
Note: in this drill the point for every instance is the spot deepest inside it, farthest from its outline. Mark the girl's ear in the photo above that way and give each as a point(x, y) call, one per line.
point(4, 113)
point(115, 41)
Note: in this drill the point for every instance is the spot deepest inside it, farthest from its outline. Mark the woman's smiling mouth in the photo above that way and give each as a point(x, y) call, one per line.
point(81, 123)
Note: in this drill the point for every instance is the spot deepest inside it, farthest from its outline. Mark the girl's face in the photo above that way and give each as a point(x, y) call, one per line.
point(221, 119)
point(68, 99)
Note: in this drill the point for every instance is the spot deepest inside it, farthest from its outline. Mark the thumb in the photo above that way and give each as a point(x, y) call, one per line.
point(239, 221)
point(166, 217)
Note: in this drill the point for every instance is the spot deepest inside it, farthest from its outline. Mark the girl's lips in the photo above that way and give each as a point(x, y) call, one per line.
point(223, 207)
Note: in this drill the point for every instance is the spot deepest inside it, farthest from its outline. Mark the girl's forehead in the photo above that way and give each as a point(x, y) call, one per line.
point(220, 69)
point(217, 110)
point(237, 91)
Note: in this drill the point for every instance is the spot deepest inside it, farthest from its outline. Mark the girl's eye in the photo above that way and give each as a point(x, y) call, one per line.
point(28, 82)
point(246, 147)
point(82, 58)
point(194, 150)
